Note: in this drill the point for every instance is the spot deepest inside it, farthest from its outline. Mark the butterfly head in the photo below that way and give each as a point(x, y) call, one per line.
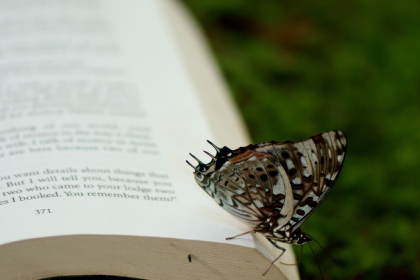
point(301, 239)
point(298, 237)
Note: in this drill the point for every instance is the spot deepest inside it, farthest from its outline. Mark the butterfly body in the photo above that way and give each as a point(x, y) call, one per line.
point(275, 186)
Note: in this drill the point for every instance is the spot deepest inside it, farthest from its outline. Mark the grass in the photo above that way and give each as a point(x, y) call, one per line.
point(298, 68)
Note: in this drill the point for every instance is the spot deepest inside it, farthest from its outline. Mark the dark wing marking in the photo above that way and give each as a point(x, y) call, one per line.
point(280, 184)
point(321, 158)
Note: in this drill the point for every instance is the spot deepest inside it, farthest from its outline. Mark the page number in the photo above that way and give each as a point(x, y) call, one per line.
point(42, 211)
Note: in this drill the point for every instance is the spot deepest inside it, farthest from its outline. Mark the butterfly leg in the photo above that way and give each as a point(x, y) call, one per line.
point(276, 259)
point(229, 238)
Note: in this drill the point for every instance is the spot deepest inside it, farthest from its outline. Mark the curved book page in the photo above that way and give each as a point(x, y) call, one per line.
point(100, 108)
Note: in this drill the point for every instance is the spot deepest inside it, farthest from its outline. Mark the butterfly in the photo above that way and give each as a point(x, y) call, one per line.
point(274, 186)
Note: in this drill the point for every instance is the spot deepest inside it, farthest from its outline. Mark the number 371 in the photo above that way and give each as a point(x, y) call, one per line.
point(42, 211)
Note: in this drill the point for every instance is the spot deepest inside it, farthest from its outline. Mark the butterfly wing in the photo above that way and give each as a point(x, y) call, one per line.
point(246, 184)
point(229, 188)
point(274, 185)
point(313, 166)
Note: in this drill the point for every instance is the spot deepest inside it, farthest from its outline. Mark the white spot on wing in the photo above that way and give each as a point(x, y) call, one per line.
point(338, 143)
point(306, 173)
point(258, 203)
point(296, 181)
point(343, 139)
point(303, 161)
point(279, 187)
point(290, 164)
point(239, 191)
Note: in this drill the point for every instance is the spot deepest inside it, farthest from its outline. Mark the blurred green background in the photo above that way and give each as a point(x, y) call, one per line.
point(298, 68)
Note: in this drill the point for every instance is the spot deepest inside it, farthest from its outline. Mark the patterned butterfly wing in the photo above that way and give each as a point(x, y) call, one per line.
point(229, 187)
point(312, 166)
point(274, 186)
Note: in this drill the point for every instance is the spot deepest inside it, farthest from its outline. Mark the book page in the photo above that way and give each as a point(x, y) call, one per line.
point(97, 118)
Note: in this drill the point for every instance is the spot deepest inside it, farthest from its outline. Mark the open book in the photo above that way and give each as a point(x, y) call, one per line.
point(101, 102)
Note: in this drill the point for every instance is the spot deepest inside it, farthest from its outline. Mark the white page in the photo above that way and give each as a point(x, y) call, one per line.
point(97, 118)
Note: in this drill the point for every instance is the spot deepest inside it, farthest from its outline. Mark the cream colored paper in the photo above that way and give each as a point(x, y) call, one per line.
point(100, 120)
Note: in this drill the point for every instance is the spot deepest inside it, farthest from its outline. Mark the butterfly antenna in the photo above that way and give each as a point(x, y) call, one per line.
point(210, 155)
point(214, 146)
point(309, 243)
point(332, 259)
point(190, 164)
point(199, 161)
point(300, 259)
point(281, 248)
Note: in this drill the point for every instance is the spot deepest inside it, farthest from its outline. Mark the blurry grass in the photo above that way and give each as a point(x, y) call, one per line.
point(298, 68)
